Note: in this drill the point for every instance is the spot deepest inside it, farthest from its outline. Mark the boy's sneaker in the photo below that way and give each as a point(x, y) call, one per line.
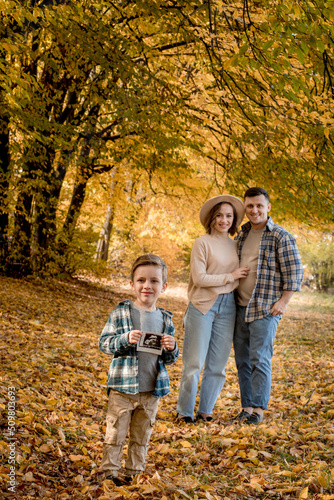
point(118, 481)
point(243, 415)
point(254, 418)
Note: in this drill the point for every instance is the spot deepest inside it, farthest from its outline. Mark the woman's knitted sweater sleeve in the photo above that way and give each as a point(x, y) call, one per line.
point(199, 263)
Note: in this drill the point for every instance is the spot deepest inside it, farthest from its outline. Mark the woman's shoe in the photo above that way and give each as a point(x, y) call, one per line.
point(182, 418)
point(206, 419)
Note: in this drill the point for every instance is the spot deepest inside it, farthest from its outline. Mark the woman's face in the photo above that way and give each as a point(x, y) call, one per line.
point(224, 218)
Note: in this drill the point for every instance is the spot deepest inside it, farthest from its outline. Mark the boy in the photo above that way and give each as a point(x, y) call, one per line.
point(136, 379)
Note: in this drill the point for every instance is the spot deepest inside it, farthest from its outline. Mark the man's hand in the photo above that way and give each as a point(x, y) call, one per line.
point(279, 307)
point(134, 336)
point(168, 342)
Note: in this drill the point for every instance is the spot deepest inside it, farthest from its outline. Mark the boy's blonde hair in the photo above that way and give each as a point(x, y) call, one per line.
point(150, 259)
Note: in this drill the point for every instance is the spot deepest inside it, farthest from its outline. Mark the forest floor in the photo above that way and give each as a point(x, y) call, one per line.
point(53, 405)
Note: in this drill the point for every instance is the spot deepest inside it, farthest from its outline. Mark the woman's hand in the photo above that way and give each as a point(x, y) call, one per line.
point(134, 336)
point(241, 272)
point(168, 342)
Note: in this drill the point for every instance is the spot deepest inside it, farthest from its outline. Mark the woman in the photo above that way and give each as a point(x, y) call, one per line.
point(209, 319)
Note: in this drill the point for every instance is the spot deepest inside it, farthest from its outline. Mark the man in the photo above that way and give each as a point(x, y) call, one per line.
point(276, 272)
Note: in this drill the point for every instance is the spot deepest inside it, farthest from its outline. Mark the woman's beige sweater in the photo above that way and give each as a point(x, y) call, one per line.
point(213, 258)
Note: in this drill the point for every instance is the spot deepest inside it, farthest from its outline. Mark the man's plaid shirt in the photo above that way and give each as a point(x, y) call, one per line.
point(123, 370)
point(279, 268)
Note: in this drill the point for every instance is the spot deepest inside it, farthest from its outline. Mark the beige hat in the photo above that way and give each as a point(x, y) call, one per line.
point(233, 200)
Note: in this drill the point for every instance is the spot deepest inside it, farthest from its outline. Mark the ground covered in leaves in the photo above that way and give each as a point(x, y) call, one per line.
point(53, 404)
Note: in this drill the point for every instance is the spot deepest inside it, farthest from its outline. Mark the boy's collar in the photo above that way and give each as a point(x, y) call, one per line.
point(129, 302)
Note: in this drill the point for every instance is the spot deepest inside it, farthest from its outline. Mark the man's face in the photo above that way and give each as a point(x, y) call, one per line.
point(257, 208)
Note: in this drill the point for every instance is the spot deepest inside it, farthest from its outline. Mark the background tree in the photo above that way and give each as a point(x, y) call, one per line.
point(318, 259)
point(89, 93)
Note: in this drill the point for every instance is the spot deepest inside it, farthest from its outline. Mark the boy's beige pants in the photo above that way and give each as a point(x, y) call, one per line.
point(135, 412)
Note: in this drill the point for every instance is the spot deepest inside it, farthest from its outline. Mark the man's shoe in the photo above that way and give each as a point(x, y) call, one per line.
point(243, 415)
point(254, 418)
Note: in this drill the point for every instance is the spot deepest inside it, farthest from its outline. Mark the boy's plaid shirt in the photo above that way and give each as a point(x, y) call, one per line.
point(123, 370)
point(279, 268)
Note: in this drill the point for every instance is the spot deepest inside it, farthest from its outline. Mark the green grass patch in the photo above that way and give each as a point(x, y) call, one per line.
point(322, 303)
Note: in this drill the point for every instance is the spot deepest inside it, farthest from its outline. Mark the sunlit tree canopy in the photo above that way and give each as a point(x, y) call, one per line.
point(112, 110)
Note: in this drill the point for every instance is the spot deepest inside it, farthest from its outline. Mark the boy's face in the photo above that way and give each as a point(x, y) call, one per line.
point(147, 284)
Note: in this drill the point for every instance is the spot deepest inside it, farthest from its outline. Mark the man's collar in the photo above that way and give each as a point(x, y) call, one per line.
point(270, 224)
point(247, 227)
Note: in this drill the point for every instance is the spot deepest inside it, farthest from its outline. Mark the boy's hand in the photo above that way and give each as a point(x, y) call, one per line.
point(134, 336)
point(168, 342)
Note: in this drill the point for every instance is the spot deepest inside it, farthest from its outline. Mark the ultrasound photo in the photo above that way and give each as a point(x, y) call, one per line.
point(150, 342)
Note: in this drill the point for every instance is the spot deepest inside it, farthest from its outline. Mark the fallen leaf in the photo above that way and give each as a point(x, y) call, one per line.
point(29, 477)
point(322, 481)
point(185, 444)
point(303, 494)
point(45, 448)
point(76, 458)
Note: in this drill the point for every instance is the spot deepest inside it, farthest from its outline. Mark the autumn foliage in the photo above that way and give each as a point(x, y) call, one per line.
point(105, 105)
point(49, 333)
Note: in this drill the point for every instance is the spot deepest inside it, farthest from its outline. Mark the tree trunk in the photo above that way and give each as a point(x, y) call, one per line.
point(19, 258)
point(102, 248)
point(84, 173)
point(78, 197)
point(46, 203)
point(103, 243)
point(4, 171)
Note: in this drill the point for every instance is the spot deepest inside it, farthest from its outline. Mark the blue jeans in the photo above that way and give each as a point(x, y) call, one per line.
point(253, 348)
point(207, 340)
